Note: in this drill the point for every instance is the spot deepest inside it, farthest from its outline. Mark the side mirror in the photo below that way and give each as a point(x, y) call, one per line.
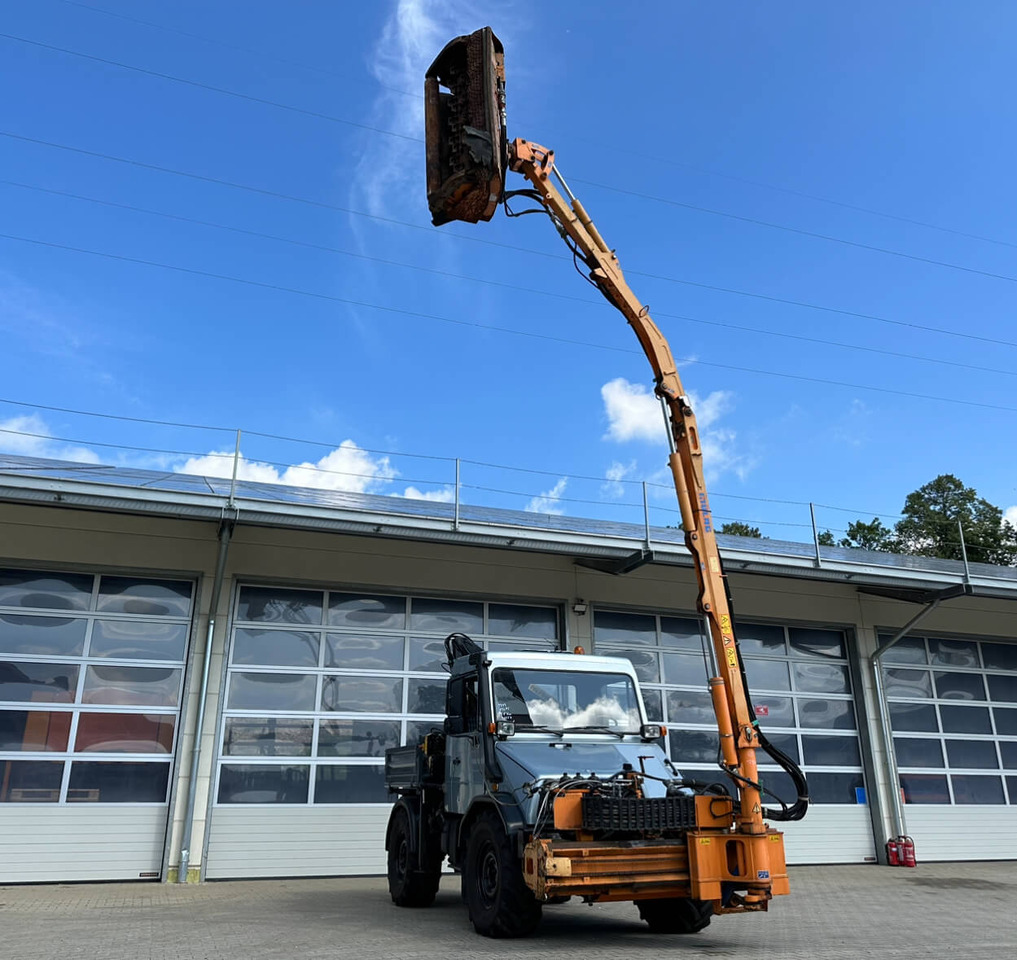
point(467, 151)
point(454, 725)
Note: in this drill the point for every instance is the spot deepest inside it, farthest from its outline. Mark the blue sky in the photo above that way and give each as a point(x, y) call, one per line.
point(744, 159)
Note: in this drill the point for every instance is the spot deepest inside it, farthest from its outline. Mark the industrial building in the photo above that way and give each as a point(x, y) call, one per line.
point(202, 676)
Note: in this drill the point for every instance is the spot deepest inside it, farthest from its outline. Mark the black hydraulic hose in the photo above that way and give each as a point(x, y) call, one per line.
point(800, 807)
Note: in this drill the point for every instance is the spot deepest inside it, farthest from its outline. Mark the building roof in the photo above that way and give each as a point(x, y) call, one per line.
point(594, 542)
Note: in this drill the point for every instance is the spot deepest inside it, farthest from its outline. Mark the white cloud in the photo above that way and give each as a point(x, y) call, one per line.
point(347, 468)
point(1010, 515)
point(614, 475)
point(29, 436)
point(633, 413)
point(444, 495)
point(550, 500)
point(390, 180)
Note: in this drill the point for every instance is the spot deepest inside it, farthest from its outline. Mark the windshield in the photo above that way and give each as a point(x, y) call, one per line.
point(560, 700)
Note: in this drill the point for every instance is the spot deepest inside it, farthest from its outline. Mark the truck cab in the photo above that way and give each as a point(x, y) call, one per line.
point(545, 782)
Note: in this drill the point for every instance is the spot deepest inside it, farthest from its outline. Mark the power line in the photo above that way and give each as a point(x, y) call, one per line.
point(320, 204)
point(210, 87)
point(808, 196)
point(391, 133)
point(675, 163)
point(798, 231)
point(466, 323)
point(259, 54)
point(600, 303)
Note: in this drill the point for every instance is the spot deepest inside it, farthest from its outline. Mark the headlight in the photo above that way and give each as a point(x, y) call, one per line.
point(502, 729)
point(652, 731)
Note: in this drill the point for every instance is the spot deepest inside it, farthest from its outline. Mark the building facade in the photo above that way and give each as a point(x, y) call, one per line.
point(203, 679)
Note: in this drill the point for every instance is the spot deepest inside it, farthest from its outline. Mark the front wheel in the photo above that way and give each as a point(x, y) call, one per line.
point(676, 914)
point(410, 883)
point(499, 902)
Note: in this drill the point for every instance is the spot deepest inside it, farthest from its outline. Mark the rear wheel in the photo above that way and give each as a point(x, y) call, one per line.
point(411, 883)
point(676, 915)
point(499, 902)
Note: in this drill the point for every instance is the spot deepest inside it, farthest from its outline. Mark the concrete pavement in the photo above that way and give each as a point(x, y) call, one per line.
point(959, 910)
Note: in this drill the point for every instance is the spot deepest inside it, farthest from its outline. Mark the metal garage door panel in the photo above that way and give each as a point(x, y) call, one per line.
point(296, 841)
point(830, 834)
point(962, 832)
point(80, 843)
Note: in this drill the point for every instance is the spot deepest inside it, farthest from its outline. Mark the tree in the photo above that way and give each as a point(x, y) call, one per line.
point(826, 539)
point(736, 528)
point(869, 536)
point(931, 522)
point(935, 514)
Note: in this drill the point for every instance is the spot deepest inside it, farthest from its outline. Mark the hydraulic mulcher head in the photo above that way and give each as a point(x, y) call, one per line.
point(465, 129)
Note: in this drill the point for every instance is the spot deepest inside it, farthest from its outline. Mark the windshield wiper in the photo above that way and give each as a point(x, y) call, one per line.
point(534, 728)
point(620, 734)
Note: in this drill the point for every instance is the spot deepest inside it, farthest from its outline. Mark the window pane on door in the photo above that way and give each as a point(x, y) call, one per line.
point(1003, 688)
point(34, 635)
point(267, 737)
point(47, 591)
point(687, 706)
point(147, 598)
point(694, 746)
point(959, 686)
point(336, 783)
point(915, 752)
point(275, 648)
point(125, 733)
point(110, 782)
point(138, 640)
point(30, 781)
point(446, 616)
point(359, 611)
point(515, 620)
point(357, 738)
point(38, 682)
point(34, 730)
point(263, 783)
point(831, 751)
point(271, 691)
point(919, 717)
point(911, 684)
point(275, 605)
point(924, 788)
point(970, 788)
point(978, 754)
point(133, 686)
point(363, 695)
point(353, 652)
point(965, 719)
point(681, 633)
point(817, 643)
point(827, 714)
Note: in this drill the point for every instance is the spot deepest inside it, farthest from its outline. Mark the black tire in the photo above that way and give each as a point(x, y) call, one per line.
point(410, 883)
point(499, 902)
point(676, 915)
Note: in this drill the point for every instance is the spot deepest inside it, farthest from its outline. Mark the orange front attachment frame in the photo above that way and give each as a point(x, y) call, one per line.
point(738, 872)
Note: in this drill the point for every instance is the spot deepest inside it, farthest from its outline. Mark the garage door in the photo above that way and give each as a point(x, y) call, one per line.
point(801, 690)
point(953, 709)
point(91, 672)
point(319, 684)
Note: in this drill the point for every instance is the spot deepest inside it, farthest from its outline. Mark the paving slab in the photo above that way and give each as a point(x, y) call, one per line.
point(948, 910)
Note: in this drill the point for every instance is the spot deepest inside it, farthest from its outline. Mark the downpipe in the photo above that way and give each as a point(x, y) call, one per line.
point(225, 533)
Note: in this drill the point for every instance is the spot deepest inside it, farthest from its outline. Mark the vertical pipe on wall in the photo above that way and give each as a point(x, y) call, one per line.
point(882, 708)
point(225, 532)
point(815, 534)
point(455, 521)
